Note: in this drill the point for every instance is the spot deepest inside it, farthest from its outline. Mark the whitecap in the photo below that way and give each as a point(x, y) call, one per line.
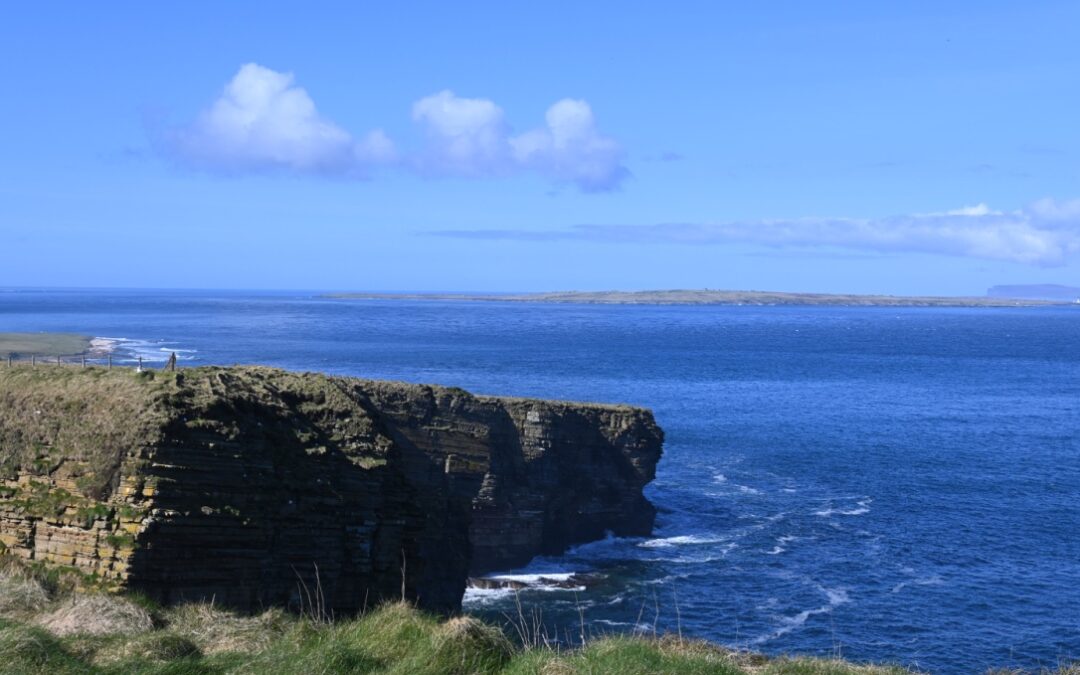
point(934, 580)
point(835, 596)
point(861, 506)
point(532, 578)
point(152, 351)
point(682, 540)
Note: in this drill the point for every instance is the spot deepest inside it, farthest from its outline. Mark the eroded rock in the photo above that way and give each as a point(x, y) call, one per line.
point(255, 487)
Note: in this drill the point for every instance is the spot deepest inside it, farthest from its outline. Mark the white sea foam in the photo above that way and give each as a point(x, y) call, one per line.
point(862, 506)
point(544, 582)
point(683, 540)
point(721, 479)
point(150, 351)
point(835, 596)
point(104, 345)
point(710, 555)
point(934, 580)
point(781, 545)
point(532, 578)
point(667, 579)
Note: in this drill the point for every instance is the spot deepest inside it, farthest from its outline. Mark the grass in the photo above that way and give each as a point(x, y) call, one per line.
point(80, 420)
point(107, 634)
point(43, 344)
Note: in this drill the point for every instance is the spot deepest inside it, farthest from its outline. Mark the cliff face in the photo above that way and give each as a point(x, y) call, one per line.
point(258, 487)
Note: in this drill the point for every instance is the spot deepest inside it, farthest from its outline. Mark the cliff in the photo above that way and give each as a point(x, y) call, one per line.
point(257, 487)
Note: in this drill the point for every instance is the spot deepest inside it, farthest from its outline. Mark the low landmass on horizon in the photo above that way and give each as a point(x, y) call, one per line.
point(713, 297)
point(43, 344)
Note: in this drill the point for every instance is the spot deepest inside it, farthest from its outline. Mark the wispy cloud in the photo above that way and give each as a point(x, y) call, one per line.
point(1046, 233)
point(263, 120)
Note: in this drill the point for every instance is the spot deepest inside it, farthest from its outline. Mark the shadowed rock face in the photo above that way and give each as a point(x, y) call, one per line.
point(258, 487)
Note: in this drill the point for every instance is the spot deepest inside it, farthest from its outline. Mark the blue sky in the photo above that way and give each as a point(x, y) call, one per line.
point(836, 147)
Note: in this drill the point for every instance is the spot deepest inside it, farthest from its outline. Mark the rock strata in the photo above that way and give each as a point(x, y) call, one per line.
point(257, 487)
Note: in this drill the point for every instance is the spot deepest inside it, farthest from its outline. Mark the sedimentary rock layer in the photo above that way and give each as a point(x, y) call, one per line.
point(257, 487)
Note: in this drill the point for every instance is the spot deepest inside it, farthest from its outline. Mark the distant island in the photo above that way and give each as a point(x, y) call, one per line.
point(1051, 292)
point(711, 297)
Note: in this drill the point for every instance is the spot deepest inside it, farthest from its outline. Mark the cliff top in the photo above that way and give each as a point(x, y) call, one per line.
point(85, 420)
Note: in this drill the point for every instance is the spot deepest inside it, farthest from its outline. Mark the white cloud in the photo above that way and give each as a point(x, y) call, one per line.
point(470, 136)
point(571, 149)
point(262, 120)
point(467, 135)
point(977, 210)
point(1045, 233)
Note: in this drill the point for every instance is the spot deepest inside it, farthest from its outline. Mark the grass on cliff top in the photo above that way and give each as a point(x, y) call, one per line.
point(43, 344)
point(64, 416)
point(64, 633)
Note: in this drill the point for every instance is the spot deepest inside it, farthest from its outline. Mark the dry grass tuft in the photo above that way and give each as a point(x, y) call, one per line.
point(672, 645)
point(21, 596)
point(96, 614)
point(155, 647)
point(557, 666)
point(216, 630)
point(470, 633)
point(811, 666)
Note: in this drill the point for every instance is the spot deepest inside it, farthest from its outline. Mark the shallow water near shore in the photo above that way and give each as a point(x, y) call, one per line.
point(889, 484)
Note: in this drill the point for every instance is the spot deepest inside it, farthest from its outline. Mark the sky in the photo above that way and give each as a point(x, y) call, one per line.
point(903, 148)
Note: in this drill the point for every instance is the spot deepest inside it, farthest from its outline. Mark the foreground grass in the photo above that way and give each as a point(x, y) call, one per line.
point(393, 640)
point(42, 344)
point(44, 630)
point(47, 626)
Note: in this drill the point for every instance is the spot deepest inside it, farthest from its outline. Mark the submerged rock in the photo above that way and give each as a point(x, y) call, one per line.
point(254, 487)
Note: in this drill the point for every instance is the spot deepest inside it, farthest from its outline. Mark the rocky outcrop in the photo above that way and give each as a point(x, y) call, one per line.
point(258, 487)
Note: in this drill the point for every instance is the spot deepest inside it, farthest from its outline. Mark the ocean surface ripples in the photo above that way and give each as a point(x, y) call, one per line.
point(887, 484)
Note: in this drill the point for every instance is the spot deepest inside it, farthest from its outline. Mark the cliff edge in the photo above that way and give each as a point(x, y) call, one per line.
point(256, 487)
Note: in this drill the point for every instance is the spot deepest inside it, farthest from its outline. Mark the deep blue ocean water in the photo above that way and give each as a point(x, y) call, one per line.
point(885, 484)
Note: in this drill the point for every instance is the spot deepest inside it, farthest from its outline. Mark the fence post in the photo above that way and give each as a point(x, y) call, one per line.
point(84, 361)
point(9, 360)
point(33, 360)
point(57, 359)
point(110, 361)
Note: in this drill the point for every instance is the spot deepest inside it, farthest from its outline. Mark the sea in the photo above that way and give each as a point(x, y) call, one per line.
point(884, 484)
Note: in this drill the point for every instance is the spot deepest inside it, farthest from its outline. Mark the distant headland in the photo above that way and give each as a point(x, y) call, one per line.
point(712, 297)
